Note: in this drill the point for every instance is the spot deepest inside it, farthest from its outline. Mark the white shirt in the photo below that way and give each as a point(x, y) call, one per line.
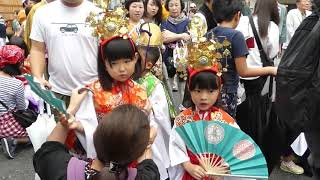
point(72, 50)
point(270, 43)
point(294, 19)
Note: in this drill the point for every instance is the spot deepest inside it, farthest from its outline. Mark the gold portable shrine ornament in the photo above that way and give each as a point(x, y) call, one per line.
point(108, 23)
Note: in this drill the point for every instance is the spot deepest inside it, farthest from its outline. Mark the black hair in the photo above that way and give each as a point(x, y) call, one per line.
point(127, 3)
point(204, 80)
point(152, 53)
point(158, 16)
point(266, 11)
point(116, 49)
point(225, 10)
point(166, 5)
point(18, 41)
point(12, 69)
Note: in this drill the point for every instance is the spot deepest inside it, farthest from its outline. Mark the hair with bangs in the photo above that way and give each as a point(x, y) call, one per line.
point(158, 16)
point(114, 50)
point(204, 80)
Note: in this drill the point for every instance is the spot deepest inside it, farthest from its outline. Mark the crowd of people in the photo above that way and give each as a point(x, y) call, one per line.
point(126, 88)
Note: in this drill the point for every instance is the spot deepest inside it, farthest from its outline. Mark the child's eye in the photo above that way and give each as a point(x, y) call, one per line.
point(127, 61)
point(113, 63)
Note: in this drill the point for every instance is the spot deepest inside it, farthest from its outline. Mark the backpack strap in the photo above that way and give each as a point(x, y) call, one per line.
point(264, 58)
point(4, 105)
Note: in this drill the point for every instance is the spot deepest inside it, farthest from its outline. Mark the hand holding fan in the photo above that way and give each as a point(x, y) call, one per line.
point(224, 150)
point(46, 95)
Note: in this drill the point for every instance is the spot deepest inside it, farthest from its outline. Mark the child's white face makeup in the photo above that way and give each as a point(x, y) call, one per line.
point(204, 99)
point(121, 69)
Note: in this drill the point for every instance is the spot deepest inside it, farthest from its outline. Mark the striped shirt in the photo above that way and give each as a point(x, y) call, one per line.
point(11, 94)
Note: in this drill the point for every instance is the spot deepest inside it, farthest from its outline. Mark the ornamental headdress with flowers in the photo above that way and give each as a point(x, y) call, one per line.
point(205, 54)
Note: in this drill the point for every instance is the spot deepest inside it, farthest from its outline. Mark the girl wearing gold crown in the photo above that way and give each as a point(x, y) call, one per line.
point(117, 63)
point(204, 84)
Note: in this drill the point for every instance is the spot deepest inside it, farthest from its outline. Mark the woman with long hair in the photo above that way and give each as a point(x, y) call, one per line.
point(265, 20)
point(152, 11)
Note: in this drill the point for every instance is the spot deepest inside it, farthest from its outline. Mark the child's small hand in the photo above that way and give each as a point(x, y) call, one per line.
point(153, 135)
point(77, 96)
point(195, 171)
point(148, 107)
point(70, 123)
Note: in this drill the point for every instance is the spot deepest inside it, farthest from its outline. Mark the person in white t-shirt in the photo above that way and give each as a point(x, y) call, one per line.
point(295, 17)
point(61, 27)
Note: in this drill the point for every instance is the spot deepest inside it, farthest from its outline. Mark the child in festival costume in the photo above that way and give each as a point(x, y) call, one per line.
point(205, 85)
point(117, 63)
point(148, 48)
point(122, 136)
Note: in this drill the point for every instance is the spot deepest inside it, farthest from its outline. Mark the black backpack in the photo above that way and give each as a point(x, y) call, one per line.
point(298, 78)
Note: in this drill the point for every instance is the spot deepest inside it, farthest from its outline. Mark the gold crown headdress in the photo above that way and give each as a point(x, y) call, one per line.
point(108, 23)
point(206, 54)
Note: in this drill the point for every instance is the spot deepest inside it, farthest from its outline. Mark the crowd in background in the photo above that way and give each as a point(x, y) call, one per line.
point(52, 41)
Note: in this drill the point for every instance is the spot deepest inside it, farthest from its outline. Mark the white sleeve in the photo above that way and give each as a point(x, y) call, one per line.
point(244, 27)
point(177, 149)
point(273, 40)
point(160, 109)
point(38, 28)
point(290, 25)
point(88, 118)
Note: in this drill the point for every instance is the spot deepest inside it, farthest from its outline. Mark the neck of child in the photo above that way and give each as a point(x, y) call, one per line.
point(97, 165)
point(4, 74)
point(227, 24)
point(145, 72)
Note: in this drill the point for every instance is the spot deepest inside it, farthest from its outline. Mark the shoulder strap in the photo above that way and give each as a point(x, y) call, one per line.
point(257, 38)
point(4, 105)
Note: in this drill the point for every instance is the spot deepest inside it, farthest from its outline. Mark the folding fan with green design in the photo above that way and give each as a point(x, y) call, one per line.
point(46, 95)
point(224, 150)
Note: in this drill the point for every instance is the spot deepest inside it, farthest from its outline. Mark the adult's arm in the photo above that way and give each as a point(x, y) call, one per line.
point(169, 36)
point(244, 71)
point(37, 59)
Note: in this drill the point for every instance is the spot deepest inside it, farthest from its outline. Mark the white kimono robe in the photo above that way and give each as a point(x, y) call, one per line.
point(88, 118)
point(160, 117)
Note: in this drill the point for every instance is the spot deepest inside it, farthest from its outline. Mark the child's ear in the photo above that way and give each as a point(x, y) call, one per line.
point(238, 15)
point(136, 57)
point(149, 65)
